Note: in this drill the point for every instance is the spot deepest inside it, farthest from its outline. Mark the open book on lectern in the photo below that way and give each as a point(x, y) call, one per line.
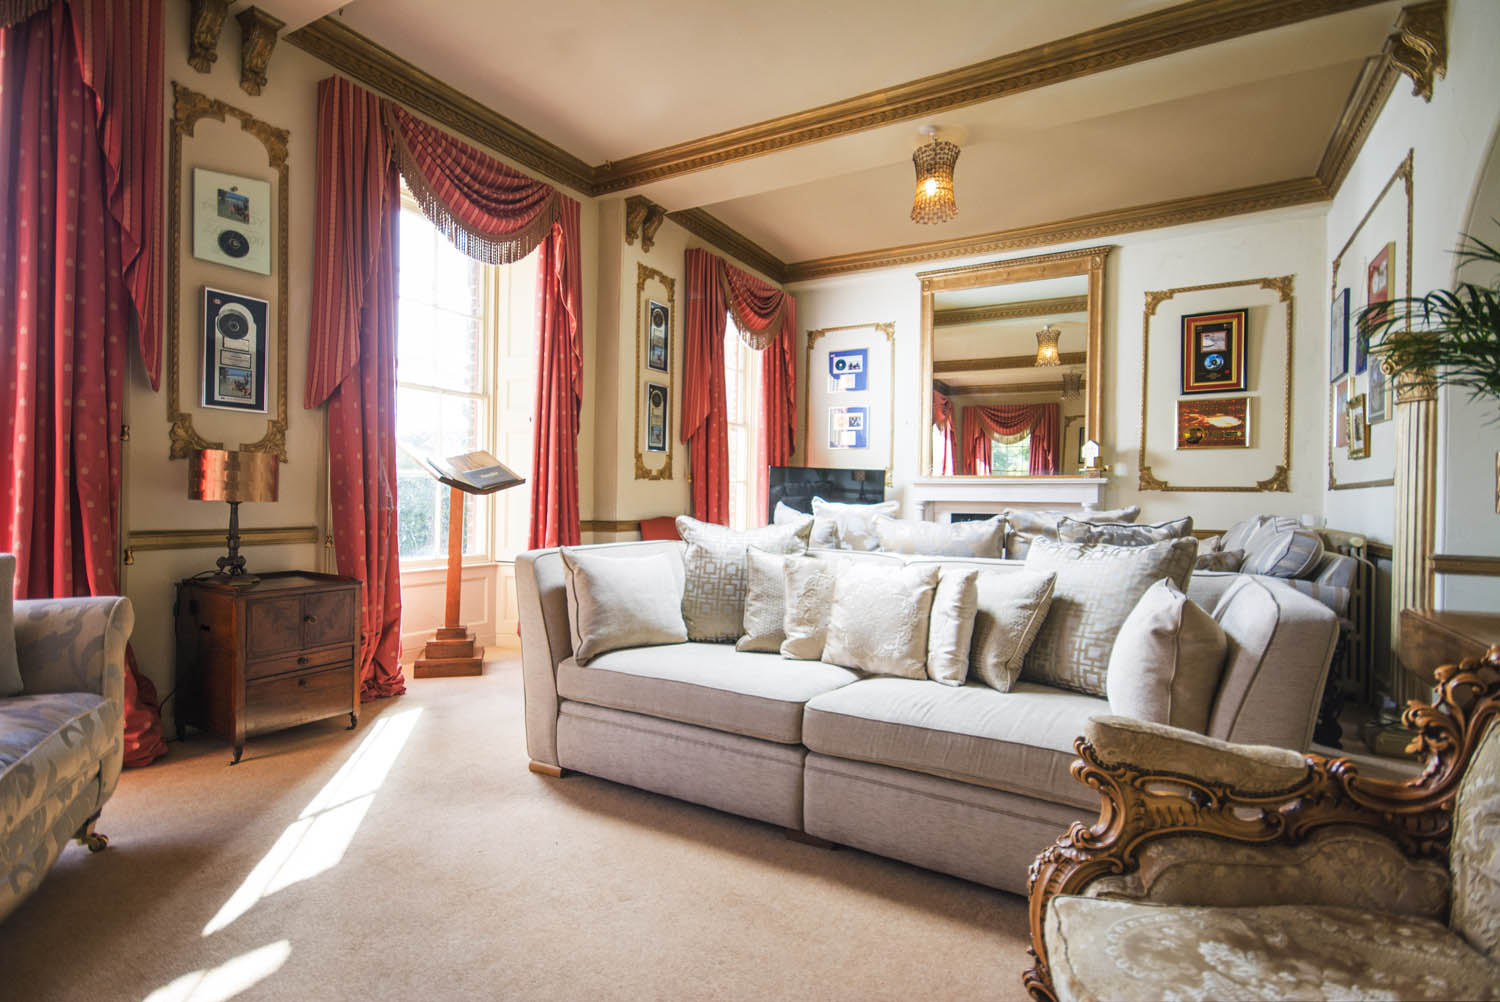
point(473, 472)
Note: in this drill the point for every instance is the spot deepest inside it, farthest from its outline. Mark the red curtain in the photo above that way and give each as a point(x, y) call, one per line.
point(942, 418)
point(559, 386)
point(982, 424)
point(768, 316)
point(66, 307)
point(705, 427)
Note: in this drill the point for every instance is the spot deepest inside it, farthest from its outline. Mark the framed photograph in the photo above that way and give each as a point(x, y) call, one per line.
point(234, 350)
point(1340, 406)
point(846, 371)
point(232, 220)
point(1213, 352)
point(1377, 408)
point(1378, 278)
point(848, 427)
point(1358, 428)
point(1213, 424)
point(1338, 336)
point(657, 402)
point(658, 336)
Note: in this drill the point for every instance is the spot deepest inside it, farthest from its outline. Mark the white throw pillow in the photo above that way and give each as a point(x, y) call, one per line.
point(1167, 660)
point(1011, 607)
point(941, 539)
point(854, 524)
point(713, 599)
point(808, 597)
point(11, 683)
point(765, 601)
point(951, 626)
point(616, 602)
point(879, 619)
point(825, 532)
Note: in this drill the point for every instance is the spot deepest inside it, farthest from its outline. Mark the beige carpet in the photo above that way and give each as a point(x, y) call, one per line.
point(417, 858)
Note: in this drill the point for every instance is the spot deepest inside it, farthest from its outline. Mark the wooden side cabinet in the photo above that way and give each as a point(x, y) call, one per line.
point(258, 658)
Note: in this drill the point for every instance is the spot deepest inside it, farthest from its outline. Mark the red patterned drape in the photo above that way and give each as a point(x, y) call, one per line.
point(705, 427)
point(768, 316)
point(981, 424)
point(942, 418)
point(65, 313)
point(559, 385)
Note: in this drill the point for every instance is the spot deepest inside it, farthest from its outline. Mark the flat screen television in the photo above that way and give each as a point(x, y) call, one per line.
point(798, 485)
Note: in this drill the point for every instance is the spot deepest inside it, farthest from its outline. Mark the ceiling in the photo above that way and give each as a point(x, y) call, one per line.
point(793, 123)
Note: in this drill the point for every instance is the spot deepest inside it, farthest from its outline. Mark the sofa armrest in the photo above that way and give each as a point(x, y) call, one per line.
point(74, 644)
point(1167, 750)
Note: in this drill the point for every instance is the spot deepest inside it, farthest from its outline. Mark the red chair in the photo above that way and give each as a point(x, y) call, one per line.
point(660, 527)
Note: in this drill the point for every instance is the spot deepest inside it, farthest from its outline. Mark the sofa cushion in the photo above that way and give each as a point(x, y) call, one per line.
point(765, 601)
point(713, 598)
point(1475, 857)
point(1023, 526)
point(1166, 661)
point(1010, 609)
point(1071, 530)
point(1101, 948)
point(954, 539)
point(951, 627)
point(47, 740)
point(1020, 741)
point(711, 685)
point(808, 598)
point(854, 524)
point(879, 619)
point(619, 601)
point(1283, 552)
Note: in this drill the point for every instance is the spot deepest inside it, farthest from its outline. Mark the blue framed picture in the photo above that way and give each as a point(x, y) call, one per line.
point(1338, 336)
point(848, 427)
point(846, 371)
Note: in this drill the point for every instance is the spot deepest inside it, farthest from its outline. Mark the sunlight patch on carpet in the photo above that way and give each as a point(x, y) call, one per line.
point(317, 840)
point(218, 984)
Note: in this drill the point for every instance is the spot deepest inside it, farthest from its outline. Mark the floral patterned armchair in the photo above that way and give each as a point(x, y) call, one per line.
point(1220, 871)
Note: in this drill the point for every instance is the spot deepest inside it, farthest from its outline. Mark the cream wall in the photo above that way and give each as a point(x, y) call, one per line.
point(1269, 244)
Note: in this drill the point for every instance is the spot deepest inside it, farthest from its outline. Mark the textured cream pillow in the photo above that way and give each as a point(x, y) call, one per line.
point(616, 602)
point(713, 600)
point(1011, 608)
point(1097, 587)
point(808, 598)
point(1167, 660)
point(879, 619)
point(854, 524)
point(941, 539)
point(1072, 530)
point(1025, 525)
point(1219, 560)
point(765, 601)
point(951, 626)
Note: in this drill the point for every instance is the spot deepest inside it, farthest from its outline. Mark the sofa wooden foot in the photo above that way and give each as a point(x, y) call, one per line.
point(543, 769)
point(95, 841)
point(797, 835)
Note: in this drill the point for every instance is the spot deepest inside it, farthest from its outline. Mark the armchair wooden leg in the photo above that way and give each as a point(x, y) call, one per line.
point(543, 769)
point(95, 841)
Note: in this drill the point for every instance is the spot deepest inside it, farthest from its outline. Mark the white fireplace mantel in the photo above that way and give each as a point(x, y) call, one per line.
point(937, 498)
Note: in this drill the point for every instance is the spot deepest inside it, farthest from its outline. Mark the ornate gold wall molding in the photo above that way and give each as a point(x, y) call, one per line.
point(257, 41)
point(888, 330)
point(643, 218)
point(1280, 478)
point(1419, 47)
point(645, 273)
point(205, 23)
point(200, 539)
point(188, 108)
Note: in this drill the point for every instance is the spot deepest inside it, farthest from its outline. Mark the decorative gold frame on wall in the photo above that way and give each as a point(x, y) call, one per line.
point(888, 329)
point(643, 274)
point(1404, 175)
point(1084, 261)
point(1280, 478)
point(188, 108)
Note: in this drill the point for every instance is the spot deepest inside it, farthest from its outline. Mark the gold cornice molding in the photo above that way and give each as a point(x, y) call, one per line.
point(1454, 563)
point(1009, 311)
point(1156, 215)
point(202, 539)
point(1035, 386)
point(1003, 362)
point(377, 67)
point(1149, 36)
point(711, 229)
point(643, 218)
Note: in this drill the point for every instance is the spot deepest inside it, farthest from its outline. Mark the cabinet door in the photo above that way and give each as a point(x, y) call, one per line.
point(328, 618)
point(273, 625)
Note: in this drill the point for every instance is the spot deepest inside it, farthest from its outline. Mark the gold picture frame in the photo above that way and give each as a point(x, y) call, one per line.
point(1359, 428)
point(887, 330)
point(189, 108)
point(645, 273)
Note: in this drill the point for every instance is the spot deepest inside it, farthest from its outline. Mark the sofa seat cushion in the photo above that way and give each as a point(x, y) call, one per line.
point(711, 685)
point(1099, 948)
point(1020, 741)
point(49, 740)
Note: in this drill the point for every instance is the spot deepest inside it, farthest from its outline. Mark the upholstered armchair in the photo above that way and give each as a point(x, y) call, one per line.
point(1222, 871)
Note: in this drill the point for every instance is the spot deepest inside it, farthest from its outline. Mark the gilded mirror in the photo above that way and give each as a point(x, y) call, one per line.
point(1011, 356)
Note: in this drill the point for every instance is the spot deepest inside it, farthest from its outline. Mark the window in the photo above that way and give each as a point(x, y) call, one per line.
point(1011, 458)
point(742, 395)
point(463, 382)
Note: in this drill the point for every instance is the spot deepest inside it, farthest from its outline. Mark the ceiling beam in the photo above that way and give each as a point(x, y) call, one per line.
point(959, 316)
point(1041, 386)
point(1002, 362)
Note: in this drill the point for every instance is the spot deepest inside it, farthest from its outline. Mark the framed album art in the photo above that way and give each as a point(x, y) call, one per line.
point(1213, 424)
point(234, 350)
point(657, 403)
point(1338, 336)
point(1378, 407)
point(1358, 432)
point(232, 220)
point(658, 335)
point(1213, 352)
point(846, 370)
point(1341, 394)
point(848, 427)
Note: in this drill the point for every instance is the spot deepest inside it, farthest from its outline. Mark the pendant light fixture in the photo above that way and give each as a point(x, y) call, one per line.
point(934, 161)
point(1046, 345)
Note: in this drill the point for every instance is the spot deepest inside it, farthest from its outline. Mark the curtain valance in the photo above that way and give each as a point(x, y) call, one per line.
point(1010, 423)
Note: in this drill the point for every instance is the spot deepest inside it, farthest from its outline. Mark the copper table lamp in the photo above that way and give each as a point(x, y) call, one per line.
point(222, 475)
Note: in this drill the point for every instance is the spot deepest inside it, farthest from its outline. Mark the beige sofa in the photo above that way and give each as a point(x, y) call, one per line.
point(965, 780)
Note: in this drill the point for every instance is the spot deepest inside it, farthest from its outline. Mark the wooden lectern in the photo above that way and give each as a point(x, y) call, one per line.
point(452, 651)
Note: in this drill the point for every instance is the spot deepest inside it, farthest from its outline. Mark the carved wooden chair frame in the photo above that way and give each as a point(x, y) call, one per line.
point(1138, 807)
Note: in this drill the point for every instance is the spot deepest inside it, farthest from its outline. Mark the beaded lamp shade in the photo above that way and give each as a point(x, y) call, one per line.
point(933, 202)
point(1046, 346)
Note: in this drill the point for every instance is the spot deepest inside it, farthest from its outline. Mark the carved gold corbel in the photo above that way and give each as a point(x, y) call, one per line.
point(1419, 47)
point(643, 218)
point(205, 22)
point(257, 41)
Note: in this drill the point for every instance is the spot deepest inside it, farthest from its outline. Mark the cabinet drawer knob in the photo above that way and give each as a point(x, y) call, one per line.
point(302, 682)
point(309, 619)
point(302, 660)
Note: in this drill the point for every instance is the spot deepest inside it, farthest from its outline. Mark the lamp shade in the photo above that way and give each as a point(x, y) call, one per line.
point(222, 475)
point(933, 202)
point(1046, 346)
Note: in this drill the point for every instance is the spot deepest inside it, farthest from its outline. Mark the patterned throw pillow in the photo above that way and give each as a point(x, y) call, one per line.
point(951, 626)
point(713, 599)
point(1219, 560)
point(879, 619)
point(854, 524)
point(1071, 530)
point(808, 598)
point(765, 601)
point(1167, 660)
point(1010, 609)
point(1025, 525)
point(941, 539)
point(1097, 587)
point(1283, 552)
point(616, 601)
